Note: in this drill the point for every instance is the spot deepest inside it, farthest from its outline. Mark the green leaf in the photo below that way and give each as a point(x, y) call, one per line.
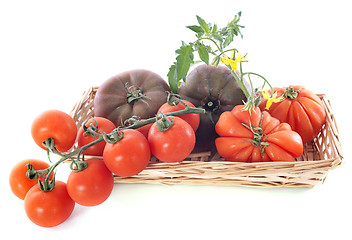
point(203, 24)
point(229, 37)
point(203, 54)
point(196, 28)
point(184, 60)
point(172, 77)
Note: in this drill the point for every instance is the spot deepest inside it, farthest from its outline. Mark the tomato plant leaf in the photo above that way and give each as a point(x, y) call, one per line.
point(203, 24)
point(184, 60)
point(203, 54)
point(172, 77)
point(196, 29)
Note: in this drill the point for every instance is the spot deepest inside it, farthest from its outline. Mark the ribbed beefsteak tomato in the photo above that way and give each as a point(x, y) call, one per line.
point(256, 137)
point(133, 93)
point(301, 108)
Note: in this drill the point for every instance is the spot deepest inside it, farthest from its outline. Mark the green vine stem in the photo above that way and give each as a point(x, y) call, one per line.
point(78, 164)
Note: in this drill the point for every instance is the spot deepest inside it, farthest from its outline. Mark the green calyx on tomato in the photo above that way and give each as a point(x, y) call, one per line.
point(165, 123)
point(134, 94)
point(291, 93)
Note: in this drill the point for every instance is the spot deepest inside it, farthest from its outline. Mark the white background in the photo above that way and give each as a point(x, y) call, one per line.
point(52, 51)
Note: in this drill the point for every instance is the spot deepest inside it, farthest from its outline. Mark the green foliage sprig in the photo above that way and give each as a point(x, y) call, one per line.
point(220, 38)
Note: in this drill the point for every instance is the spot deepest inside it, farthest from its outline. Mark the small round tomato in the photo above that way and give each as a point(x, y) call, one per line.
point(48, 209)
point(145, 129)
point(91, 186)
point(104, 125)
point(174, 144)
point(19, 182)
point(55, 125)
point(192, 119)
point(129, 156)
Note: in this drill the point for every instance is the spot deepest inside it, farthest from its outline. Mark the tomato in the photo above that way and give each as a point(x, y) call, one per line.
point(216, 90)
point(48, 209)
point(104, 125)
point(129, 156)
point(174, 144)
point(145, 129)
point(192, 119)
point(133, 93)
point(256, 137)
point(301, 108)
point(91, 186)
point(56, 125)
point(19, 182)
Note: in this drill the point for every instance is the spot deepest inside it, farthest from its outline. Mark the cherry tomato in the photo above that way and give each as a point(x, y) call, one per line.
point(56, 125)
point(48, 209)
point(174, 144)
point(19, 183)
point(104, 125)
point(91, 186)
point(192, 119)
point(129, 156)
point(145, 129)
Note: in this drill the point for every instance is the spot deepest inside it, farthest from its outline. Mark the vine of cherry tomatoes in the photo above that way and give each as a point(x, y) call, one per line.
point(125, 152)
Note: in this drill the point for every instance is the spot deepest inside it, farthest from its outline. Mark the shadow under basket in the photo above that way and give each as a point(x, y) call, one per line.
point(321, 155)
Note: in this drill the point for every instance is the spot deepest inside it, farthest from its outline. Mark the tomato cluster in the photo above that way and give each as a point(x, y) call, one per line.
point(49, 202)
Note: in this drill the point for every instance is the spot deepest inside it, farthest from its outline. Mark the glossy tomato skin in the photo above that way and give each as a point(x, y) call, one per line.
point(129, 156)
point(19, 183)
point(91, 186)
point(48, 209)
point(216, 90)
point(104, 125)
point(57, 125)
point(173, 145)
point(112, 98)
point(192, 119)
point(236, 142)
point(305, 114)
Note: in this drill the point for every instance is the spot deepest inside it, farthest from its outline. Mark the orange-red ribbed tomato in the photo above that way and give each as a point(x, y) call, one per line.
point(255, 137)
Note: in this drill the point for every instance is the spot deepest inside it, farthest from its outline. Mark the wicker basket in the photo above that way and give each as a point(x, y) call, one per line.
point(321, 155)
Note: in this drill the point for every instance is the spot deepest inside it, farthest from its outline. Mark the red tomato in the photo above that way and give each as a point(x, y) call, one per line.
point(104, 125)
point(48, 209)
point(19, 183)
point(192, 119)
point(145, 129)
point(91, 186)
point(255, 137)
point(173, 145)
point(129, 156)
point(301, 108)
point(56, 125)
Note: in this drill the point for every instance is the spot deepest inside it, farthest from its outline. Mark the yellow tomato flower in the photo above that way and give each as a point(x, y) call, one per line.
point(271, 99)
point(233, 63)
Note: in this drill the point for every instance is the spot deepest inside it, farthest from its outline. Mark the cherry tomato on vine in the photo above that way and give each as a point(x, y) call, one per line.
point(91, 186)
point(19, 182)
point(56, 125)
point(174, 144)
point(192, 119)
point(48, 209)
point(104, 125)
point(129, 156)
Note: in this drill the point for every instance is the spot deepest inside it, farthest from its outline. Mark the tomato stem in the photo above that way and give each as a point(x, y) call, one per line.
point(290, 93)
point(113, 137)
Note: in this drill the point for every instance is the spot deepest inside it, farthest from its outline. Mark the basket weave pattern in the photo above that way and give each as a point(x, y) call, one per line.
point(321, 155)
